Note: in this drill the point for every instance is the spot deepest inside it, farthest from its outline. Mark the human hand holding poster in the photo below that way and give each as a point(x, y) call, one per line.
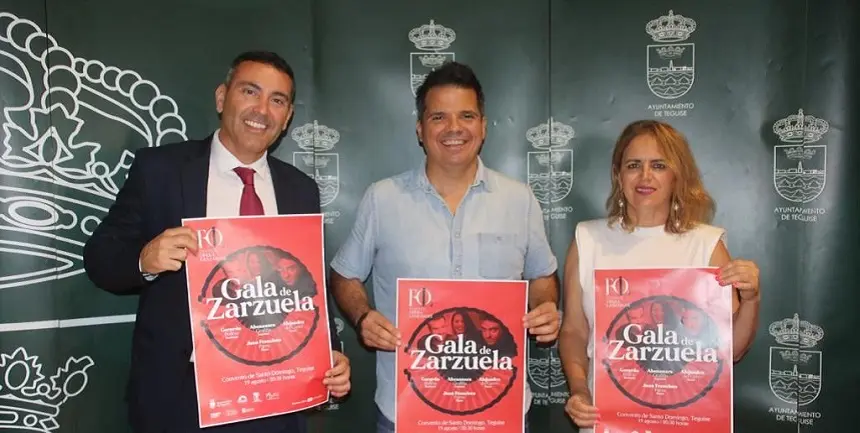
point(462, 364)
point(663, 351)
point(259, 316)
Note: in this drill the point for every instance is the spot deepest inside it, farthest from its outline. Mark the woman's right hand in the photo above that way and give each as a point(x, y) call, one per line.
point(580, 410)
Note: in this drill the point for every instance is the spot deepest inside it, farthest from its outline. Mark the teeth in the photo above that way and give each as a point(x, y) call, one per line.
point(453, 142)
point(256, 125)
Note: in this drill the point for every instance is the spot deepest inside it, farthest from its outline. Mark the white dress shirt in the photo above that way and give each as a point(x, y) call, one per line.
point(224, 189)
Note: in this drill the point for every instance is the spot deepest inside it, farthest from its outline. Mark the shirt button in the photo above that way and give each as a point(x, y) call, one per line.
point(457, 234)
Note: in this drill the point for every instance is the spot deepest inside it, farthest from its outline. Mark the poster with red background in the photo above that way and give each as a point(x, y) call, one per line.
point(663, 351)
point(259, 317)
point(462, 363)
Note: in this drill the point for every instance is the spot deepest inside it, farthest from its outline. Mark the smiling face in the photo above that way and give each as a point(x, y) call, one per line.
point(255, 109)
point(646, 180)
point(452, 127)
point(655, 180)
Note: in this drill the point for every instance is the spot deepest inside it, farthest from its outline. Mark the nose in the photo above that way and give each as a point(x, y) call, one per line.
point(454, 124)
point(262, 106)
point(647, 172)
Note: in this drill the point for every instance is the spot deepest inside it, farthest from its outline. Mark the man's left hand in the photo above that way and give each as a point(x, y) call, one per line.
point(543, 322)
point(337, 379)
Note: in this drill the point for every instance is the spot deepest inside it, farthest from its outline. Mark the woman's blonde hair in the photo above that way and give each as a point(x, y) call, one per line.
point(694, 204)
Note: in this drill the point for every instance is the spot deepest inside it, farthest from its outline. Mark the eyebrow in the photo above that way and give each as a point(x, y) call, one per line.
point(640, 159)
point(254, 85)
point(431, 113)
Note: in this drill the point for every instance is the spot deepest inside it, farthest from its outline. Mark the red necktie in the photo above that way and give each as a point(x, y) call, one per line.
point(250, 203)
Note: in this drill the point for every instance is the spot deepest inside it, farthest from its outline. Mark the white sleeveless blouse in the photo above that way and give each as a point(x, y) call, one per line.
point(601, 246)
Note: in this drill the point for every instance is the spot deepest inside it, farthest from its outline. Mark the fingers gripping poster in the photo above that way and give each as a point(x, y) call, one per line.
point(259, 317)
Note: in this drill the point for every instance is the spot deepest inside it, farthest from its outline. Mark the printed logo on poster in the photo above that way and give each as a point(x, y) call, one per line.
point(209, 238)
point(208, 242)
point(457, 373)
point(31, 402)
point(550, 166)
point(420, 297)
point(616, 286)
point(319, 161)
point(432, 40)
point(799, 167)
point(616, 290)
point(60, 165)
point(795, 369)
point(420, 302)
point(671, 63)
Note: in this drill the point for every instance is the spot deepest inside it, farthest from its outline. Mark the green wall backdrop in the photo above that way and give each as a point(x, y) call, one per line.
point(82, 83)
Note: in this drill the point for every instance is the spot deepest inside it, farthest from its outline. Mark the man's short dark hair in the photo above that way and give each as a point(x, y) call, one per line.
point(265, 57)
point(449, 74)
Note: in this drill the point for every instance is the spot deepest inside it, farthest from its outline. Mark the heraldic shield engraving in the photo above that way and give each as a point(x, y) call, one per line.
point(317, 160)
point(550, 166)
point(671, 64)
point(795, 369)
point(432, 39)
point(800, 168)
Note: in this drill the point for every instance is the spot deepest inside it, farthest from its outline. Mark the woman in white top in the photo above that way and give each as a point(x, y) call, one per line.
point(658, 217)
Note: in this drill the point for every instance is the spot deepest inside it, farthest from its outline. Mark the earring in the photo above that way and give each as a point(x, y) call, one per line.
point(675, 207)
point(623, 215)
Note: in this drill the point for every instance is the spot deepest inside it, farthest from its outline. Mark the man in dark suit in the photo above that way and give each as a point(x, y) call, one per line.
point(140, 246)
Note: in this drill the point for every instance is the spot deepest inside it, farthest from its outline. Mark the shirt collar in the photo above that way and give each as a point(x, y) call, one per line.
point(224, 161)
point(420, 181)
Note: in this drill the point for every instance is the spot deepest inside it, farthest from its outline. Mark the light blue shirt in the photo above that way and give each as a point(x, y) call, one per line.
point(404, 229)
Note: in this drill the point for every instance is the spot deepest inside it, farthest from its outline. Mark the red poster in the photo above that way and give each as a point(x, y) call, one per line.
point(663, 351)
point(462, 364)
point(259, 317)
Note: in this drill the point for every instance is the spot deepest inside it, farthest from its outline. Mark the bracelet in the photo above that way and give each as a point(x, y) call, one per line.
point(361, 319)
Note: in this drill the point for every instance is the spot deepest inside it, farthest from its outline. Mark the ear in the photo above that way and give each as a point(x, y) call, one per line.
point(483, 127)
point(289, 117)
point(419, 129)
point(220, 95)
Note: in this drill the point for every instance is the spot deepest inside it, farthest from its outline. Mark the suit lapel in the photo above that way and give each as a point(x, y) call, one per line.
point(195, 179)
point(281, 187)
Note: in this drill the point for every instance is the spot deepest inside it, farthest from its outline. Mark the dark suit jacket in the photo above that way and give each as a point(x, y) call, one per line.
point(164, 185)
